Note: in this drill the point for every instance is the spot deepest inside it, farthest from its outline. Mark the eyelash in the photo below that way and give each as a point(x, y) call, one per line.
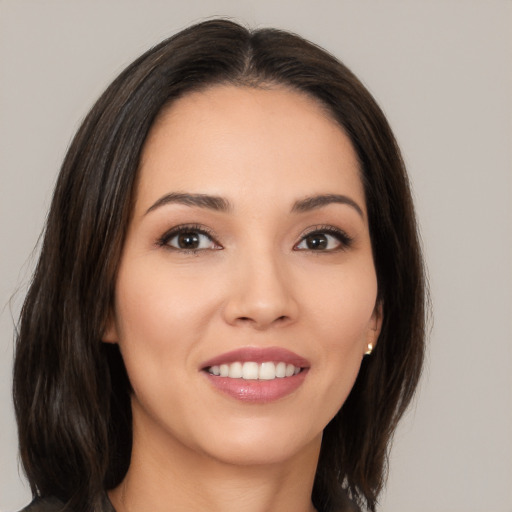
point(345, 240)
point(341, 236)
point(164, 240)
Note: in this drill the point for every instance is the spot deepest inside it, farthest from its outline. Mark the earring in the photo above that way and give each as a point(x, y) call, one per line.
point(369, 350)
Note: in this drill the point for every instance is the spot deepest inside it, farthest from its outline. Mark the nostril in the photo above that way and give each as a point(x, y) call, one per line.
point(248, 319)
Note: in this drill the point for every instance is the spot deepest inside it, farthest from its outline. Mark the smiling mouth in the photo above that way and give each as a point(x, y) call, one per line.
point(251, 370)
point(256, 375)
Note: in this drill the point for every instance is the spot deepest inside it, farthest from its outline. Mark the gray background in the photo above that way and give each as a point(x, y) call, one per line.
point(441, 70)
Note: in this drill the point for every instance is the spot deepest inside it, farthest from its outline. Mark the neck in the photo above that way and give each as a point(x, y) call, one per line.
point(168, 476)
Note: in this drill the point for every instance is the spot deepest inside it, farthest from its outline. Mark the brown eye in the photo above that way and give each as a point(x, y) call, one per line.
point(188, 240)
point(316, 241)
point(324, 240)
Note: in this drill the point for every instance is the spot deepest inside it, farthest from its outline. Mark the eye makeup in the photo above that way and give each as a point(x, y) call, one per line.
point(189, 238)
point(324, 239)
point(194, 238)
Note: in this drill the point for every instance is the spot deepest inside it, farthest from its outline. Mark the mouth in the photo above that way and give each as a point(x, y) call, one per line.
point(257, 375)
point(251, 370)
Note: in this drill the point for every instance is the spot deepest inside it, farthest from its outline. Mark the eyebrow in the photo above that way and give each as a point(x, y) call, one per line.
point(200, 200)
point(313, 202)
point(221, 204)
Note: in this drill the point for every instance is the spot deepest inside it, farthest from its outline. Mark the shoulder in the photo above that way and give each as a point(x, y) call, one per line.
point(52, 504)
point(45, 505)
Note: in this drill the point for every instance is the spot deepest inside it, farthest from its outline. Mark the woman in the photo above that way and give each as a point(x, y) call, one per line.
point(228, 310)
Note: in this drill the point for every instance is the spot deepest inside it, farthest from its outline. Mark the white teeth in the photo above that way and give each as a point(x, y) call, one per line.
point(249, 371)
point(235, 371)
point(290, 369)
point(267, 371)
point(255, 371)
point(281, 370)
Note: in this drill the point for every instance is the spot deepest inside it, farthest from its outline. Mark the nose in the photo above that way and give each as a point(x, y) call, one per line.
point(261, 293)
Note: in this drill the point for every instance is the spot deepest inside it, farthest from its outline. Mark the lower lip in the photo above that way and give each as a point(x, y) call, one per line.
point(258, 391)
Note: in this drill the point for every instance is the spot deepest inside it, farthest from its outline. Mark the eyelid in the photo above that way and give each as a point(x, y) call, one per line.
point(344, 238)
point(186, 228)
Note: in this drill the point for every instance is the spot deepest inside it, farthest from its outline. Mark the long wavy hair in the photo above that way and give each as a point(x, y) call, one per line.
point(71, 391)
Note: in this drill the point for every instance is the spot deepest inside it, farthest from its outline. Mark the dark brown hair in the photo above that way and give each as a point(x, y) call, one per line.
point(71, 392)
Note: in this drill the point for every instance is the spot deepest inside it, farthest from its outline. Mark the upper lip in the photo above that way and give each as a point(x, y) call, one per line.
point(258, 355)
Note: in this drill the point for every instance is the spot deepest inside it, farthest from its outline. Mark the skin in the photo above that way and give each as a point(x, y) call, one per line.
point(256, 283)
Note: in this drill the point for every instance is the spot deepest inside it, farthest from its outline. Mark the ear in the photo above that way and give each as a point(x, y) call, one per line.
point(374, 327)
point(110, 332)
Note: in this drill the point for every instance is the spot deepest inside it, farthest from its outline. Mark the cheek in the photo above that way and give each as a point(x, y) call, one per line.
point(341, 313)
point(160, 317)
point(343, 302)
point(154, 301)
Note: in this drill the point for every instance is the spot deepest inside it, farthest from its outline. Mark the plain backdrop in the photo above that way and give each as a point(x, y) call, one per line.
point(442, 72)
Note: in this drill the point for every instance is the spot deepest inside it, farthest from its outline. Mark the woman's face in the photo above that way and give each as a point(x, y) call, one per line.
point(246, 293)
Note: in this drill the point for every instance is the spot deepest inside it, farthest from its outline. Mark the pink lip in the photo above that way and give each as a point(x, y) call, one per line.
point(257, 391)
point(258, 355)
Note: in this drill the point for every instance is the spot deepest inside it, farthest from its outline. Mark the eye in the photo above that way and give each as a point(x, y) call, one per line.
point(191, 240)
point(324, 240)
point(188, 238)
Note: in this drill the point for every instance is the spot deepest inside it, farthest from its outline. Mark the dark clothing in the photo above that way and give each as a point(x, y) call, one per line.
point(44, 505)
point(55, 505)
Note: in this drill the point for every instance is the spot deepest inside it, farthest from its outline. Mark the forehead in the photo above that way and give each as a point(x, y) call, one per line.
point(231, 141)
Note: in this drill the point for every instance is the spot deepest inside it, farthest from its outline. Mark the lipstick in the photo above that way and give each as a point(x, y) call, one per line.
point(256, 375)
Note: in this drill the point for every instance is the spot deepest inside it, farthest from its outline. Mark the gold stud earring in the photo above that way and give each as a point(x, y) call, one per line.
point(369, 350)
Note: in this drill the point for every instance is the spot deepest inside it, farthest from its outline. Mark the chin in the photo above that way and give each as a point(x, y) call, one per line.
point(256, 455)
point(260, 446)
